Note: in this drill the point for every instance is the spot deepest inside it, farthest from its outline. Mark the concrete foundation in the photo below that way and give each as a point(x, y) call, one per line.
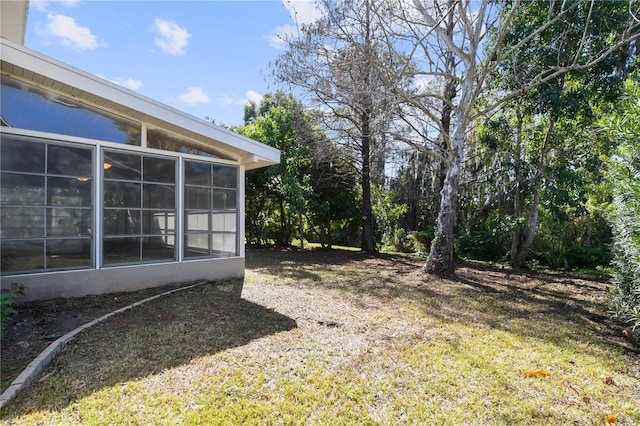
point(50, 285)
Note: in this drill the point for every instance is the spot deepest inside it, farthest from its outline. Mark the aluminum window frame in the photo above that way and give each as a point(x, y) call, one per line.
point(47, 207)
point(98, 147)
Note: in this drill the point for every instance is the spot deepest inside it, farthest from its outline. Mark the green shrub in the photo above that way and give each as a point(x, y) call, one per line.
point(625, 222)
point(626, 255)
point(7, 307)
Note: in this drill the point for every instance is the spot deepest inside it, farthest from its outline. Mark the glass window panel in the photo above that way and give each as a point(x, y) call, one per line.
point(121, 166)
point(224, 176)
point(196, 245)
point(159, 196)
point(122, 222)
point(157, 248)
point(69, 192)
point(66, 160)
point(21, 255)
point(223, 244)
point(197, 173)
point(121, 250)
point(21, 156)
point(28, 107)
point(69, 253)
point(197, 198)
point(22, 222)
point(157, 222)
point(225, 222)
point(158, 139)
point(68, 222)
point(224, 200)
point(230, 244)
point(159, 170)
point(197, 222)
point(122, 194)
point(22, 189)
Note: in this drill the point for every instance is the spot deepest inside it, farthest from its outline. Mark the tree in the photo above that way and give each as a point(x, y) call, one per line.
point(468, 55)
point(332, 61)
point(281, 188)
point(556, 111)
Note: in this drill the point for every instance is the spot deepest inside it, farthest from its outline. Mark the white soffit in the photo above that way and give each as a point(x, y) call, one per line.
point(48, 73)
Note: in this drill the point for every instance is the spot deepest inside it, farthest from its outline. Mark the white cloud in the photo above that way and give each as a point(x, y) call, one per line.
point(250, 96)
point(193, 96)
point(43, 6)
point(70, 33)
point(227, 100)
point(254, 97)
point(129, 83)
point(280, 34)
point(303, 11)
point(172, 39)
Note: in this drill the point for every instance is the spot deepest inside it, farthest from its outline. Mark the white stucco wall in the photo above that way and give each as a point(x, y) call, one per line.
point(49, 285)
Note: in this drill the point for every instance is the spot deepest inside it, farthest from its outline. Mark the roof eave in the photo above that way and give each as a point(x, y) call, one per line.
point(72, 77)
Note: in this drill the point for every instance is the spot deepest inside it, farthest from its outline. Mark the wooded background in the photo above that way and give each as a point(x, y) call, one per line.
point(501, 130)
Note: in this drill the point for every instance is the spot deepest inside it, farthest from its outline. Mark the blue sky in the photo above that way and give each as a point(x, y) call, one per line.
point(206, 58)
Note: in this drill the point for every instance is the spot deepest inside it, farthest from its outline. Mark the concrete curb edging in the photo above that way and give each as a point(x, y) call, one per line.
point(36, 366)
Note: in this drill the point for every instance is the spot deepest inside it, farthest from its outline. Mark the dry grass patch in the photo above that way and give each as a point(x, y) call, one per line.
point(343, 338)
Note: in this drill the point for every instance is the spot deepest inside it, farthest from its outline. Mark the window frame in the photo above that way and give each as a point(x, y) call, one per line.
point(48, 208)
point(211, 212)
point(98, 147)
point(141, 208)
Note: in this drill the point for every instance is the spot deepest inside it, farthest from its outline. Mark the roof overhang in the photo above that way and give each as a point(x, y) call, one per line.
point(50, 74)
point(13, 20)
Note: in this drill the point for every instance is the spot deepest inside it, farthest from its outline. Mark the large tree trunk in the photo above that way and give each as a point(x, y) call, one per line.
point(368, 244)
point(441, 255)
point(524, 235)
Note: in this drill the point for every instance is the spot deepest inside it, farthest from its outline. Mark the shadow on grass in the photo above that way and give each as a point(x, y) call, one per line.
point(568, 312)
point(163, 334)
point(563, 309)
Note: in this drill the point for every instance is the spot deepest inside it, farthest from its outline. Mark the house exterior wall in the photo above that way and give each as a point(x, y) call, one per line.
point(52, 269)
point(78, 283)
point(67, 229)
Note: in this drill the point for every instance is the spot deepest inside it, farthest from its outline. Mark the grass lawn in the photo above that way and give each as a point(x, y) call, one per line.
point(344, 338)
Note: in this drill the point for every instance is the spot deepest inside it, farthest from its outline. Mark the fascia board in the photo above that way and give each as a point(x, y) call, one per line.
point(86, 82)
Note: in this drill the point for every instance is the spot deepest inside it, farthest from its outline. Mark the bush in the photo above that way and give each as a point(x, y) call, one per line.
point(625, 179)
point(7, 307)
point(488, 241)
point(626, 256)
point(401, 241)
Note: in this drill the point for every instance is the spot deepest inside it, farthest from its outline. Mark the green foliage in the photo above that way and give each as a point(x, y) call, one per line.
point(566, 238)
point(388, 213)
point(311, 194)
point(334, 206)
point(625, 176)
point(487, 241)
point(276, 195)
point(7, 307)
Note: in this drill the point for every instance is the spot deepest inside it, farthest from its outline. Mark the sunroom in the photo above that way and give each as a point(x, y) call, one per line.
point(104, 190)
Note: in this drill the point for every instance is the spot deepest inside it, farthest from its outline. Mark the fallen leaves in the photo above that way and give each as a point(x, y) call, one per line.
point(536, 373)
point(610, 419)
